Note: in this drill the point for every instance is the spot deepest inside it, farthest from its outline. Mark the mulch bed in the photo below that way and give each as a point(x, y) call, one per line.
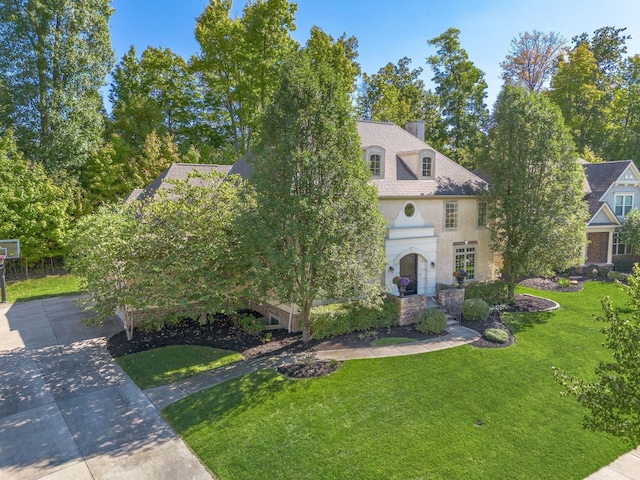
point(222, 333)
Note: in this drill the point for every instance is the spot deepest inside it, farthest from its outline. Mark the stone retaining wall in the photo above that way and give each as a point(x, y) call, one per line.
point(410, 308)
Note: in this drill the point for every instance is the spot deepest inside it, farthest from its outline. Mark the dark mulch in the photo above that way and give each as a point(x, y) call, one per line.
point(222, 333)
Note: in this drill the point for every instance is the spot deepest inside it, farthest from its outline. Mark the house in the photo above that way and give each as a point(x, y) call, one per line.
point(612, 189)
point(435, 212)
point(177, 171)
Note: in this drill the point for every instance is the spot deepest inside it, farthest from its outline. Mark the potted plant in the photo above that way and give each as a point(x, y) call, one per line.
point(460, 275)
point(402, 283)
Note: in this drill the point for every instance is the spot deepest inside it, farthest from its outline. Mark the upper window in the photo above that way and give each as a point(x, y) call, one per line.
point(375, 160)
point(409, 210)
point(451, 215)
point(426, 164)
point(374, 164)
point(482, 214)
point(623, 203)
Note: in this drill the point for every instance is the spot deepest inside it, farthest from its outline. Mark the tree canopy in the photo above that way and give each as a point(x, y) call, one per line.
point(315, 229)
point(538, 213)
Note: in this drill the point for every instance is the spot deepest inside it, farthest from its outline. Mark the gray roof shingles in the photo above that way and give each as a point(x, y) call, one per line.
point(600, 177)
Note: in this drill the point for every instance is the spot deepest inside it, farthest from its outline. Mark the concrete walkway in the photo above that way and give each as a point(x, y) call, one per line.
point(67, 410)
point(167, 394)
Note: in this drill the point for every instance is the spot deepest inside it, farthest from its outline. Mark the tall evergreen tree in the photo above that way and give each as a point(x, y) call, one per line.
point(536, 187)
point(315, 231)
point(54, 57)
point(461, 88)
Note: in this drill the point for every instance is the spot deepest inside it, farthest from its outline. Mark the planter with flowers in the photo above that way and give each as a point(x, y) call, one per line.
point(402, 283)
point(460, 275)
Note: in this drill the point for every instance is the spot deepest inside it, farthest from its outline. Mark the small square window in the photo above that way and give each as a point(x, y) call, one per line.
point(623, 203)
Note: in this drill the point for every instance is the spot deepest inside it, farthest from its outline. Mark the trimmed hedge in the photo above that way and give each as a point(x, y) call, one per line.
point(476, 310)
point(494, 293)
point(619, 276)
point(625, 266)
point(432, 320)
point(341, 318)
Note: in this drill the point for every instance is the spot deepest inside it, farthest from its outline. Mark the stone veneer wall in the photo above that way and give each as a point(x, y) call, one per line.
point(410, 308)
point(451, 299)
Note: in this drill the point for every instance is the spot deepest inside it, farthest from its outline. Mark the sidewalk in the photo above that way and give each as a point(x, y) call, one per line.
point(167, 394)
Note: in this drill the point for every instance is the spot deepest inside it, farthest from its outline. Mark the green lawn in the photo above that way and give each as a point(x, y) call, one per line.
point(460, 413)
point(164, 365)
point(37, 288)
point(383, 342)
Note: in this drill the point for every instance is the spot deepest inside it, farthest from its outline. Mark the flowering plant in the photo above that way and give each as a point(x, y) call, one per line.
point(404, 281)
point(460, 273)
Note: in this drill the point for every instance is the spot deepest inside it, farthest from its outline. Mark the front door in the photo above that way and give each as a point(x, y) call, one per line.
point(409, 269)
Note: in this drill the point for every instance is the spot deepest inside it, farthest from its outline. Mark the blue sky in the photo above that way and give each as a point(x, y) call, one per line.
point(389, 30)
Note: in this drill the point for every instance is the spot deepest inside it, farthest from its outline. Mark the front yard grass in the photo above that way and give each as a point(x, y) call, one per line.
point(453, 414)
point(383, 342)
point(164, 365)
point(45, 287)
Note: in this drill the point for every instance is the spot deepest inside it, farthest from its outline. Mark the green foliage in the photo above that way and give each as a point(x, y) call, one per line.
point(340, 318)
point(617, 276)
point(33, 208)
point(496, 335)
point(536, 187)
point(240, 63)
point(248, 323)
point(165, 365)
point(315, 231)
point(592, 271)
point(387, 341)
point(56, 56)
point(613, 397)
point(630, 231)
point(563, 282)
point(461, 90)
point(170, 254)
point(494, 293)
point(625, 266)
point(475, 310)
point(432, 320)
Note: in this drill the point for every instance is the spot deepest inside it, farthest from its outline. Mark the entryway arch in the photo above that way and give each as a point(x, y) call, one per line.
point(409, 269)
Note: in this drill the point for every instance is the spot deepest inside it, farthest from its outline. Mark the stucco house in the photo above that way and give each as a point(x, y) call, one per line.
point(434, 208)
point(612, 189)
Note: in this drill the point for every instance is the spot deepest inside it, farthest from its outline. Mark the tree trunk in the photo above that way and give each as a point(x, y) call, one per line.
point(306, 321)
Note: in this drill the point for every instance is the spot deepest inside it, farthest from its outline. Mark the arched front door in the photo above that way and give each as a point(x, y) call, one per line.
point(409, 269)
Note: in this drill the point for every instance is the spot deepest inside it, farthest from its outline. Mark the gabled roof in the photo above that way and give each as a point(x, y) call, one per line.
point(399, 180)
point(600, 178)
point(177, 171)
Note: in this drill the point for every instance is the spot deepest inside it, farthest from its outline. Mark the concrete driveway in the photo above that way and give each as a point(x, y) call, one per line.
point(67, 410)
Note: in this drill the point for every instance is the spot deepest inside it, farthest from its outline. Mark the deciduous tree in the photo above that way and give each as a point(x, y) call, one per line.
point(531, 63)
point(315, 231)
point(461, 89)
point(536, 186)
point(54, 57)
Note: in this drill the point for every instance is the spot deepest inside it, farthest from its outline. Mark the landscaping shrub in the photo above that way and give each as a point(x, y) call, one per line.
point(625, 266)
point(340, 318)
point(476, 310)
point(603, 272)
point(496, 335)
point(432, 320)
point(613, 275)
point(494, 293)
point(248, 322)
point(591, 271)
point(563, 282)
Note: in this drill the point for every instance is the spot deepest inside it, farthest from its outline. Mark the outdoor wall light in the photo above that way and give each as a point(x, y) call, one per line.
point(433, 264)
point(391, 269)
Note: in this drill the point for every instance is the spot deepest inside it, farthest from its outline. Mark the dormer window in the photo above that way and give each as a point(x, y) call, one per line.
point(375, 160)
point(426, 164)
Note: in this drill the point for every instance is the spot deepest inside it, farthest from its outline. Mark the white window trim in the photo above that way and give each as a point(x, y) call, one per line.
point(375, 151)
point(432, 155)
point(457, 213)
point(623, 195)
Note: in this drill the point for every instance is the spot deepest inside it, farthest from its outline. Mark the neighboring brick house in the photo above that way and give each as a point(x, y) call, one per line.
point(612, 190)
